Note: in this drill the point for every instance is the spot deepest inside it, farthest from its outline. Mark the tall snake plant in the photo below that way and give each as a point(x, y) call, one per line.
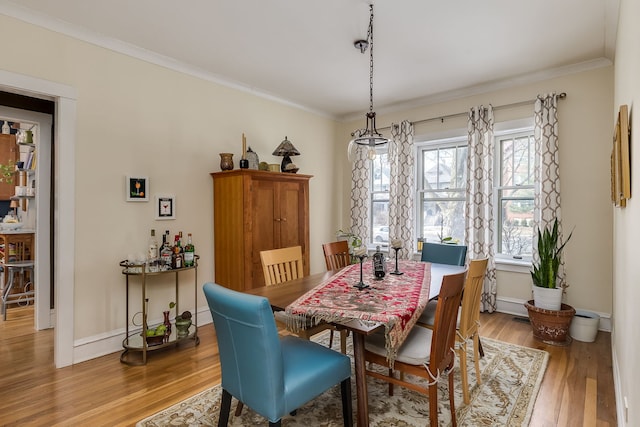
point(545, 273)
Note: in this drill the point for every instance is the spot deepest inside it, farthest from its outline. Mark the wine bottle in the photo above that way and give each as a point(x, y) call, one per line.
point(189, 252)
point(379, 264)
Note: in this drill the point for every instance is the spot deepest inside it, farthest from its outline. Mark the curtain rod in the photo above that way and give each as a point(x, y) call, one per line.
point(500, 107)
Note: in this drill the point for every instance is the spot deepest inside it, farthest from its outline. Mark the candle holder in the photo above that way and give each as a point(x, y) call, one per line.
point(361, 285)
point(396, 271)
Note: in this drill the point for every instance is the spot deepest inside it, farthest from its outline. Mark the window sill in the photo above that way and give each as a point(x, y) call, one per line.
point(503, 264)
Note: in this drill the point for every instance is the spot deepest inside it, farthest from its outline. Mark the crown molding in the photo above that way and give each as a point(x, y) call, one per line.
point(488, 87)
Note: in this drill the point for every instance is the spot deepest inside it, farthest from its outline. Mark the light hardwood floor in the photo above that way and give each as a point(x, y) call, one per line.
point(577, 389)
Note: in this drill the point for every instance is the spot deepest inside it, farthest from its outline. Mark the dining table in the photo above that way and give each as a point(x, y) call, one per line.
point(391, 305)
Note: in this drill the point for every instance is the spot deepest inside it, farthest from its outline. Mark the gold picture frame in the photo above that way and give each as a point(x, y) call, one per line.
point(620, 160)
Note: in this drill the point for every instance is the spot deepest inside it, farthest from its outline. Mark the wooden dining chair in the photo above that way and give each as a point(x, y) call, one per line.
point(337, 257)
point(336, 254)
point(427, 353)
point(468, 324)
point(283, 265)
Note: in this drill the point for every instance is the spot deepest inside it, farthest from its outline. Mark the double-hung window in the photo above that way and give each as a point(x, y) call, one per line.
point(379, 225)
point(514, 185)
point(441, 183)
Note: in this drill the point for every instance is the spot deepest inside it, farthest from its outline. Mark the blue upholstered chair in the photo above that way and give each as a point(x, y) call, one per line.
point(441, 253)
point(273, 376)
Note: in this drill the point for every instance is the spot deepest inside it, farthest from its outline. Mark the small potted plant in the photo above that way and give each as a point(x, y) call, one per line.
point(183, 322)
point(546, 292)
point(550, 319)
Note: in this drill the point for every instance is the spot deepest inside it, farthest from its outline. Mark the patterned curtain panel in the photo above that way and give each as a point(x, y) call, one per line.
point(360, 197)
point(402, 186)
point(479, 221)
point(546, 205)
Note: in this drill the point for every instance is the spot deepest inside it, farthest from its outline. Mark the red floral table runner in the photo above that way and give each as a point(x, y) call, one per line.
point(395, 301)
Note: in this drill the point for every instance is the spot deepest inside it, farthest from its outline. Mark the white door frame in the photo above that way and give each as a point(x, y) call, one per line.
point(64, 201)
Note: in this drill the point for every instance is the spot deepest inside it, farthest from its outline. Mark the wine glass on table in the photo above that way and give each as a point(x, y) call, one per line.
point(361, 254)
point(396, 245)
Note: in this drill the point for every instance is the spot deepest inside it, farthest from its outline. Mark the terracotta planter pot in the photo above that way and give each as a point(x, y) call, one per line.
point(550, 326)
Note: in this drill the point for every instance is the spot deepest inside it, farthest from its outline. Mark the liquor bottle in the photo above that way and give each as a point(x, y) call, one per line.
point(379, 264)
point(153, 246)
point(152, 252)
point(165, 251)
point(189, 252)
point(177, 259)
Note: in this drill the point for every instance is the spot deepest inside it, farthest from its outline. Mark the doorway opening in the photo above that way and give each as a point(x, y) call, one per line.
point(31, 120)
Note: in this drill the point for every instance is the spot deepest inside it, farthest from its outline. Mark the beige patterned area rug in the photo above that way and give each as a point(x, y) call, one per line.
point(511, 377)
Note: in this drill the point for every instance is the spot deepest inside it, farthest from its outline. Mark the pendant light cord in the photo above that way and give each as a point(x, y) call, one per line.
point(370, 39)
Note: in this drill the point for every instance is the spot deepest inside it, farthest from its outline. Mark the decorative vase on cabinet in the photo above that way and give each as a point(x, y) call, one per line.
point(226, 161)
point(256, 211)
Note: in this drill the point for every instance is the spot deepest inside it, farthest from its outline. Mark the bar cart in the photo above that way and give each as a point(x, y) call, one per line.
point(136, 342)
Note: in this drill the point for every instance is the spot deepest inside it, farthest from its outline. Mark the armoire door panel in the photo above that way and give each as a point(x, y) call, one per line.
point(290, 233)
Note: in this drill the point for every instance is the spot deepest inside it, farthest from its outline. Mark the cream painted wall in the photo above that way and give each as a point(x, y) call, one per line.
point(585, 144)
point(626, 345)
point(138, 118)
point(135, 118)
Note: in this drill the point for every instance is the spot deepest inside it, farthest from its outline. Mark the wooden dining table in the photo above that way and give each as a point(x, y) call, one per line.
point(283, 295)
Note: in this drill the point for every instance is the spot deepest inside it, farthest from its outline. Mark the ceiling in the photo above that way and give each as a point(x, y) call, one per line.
point(301, 52)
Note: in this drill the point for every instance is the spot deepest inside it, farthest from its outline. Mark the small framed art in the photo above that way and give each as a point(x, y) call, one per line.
point(165, 207)
point(137, 188)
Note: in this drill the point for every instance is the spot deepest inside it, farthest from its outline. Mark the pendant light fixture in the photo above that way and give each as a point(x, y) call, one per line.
point(370, 136)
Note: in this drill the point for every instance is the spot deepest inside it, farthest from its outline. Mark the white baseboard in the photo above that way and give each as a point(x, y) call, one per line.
point(111, 342)
point(516, 307)
point(620, 406)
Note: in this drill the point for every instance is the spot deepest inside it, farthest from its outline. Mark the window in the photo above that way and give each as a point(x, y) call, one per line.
point(442, 176)
point(379, 217)
point(441, 192)
point(514, 190)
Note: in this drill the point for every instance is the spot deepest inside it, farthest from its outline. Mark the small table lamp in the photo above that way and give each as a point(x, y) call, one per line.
point(285, 149)
point(14, 205)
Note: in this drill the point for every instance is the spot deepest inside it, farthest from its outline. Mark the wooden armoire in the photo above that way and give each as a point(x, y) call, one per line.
point(255, 211)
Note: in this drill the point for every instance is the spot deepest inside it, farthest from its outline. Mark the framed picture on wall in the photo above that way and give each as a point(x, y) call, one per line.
point(137, 188)
point(165, 207)
point(625, 161)
point(620, 160)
